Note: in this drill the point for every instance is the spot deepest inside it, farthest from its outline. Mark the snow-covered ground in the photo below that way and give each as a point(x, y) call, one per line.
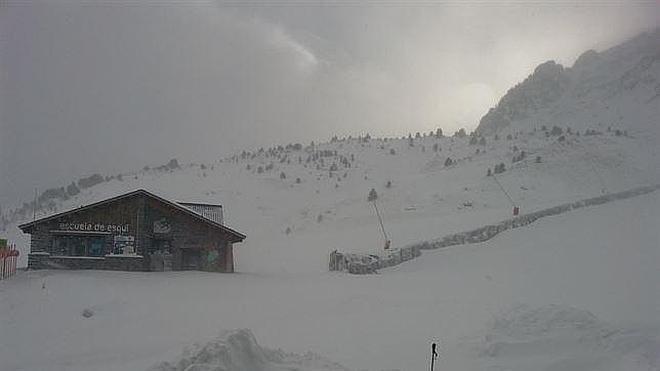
point(576, 291)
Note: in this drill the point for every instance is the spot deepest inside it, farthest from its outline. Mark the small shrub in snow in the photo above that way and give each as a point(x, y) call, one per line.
point(72, 189)
point(449, 161)
point(519, 157)
point(500, 168)
point(298, 181)
point(556, 131)
point(460, 133)
point(373, 196)
point(388, 184)
point(173, 164)
point(90, 181)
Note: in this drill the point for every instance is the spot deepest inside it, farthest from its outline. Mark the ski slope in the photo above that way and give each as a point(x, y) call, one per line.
point(576, 291)
point(426, 199)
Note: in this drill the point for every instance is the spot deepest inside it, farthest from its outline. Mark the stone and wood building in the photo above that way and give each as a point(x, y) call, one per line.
point(136, 231)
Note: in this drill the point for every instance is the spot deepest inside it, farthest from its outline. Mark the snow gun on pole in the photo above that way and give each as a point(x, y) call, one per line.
point(516, 209)
point(382, 228)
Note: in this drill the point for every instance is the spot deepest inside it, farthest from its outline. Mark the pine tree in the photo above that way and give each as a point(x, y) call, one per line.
point(373, 196)
point(72, 189)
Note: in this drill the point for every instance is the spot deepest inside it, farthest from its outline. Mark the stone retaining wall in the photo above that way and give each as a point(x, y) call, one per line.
point(365, 264)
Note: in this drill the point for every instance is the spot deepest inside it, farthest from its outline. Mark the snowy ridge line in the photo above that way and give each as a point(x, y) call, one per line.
point(370, 263)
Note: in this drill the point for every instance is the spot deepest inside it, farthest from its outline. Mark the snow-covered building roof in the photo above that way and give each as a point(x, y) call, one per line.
point(208, 215)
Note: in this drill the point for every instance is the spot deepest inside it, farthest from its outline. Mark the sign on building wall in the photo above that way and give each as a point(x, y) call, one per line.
point(124, 245)
point(162, 226)
point(94, 227)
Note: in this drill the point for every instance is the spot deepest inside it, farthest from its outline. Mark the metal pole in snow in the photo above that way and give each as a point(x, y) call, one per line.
point(434, 355)
point(380, 220)
point(504, 191)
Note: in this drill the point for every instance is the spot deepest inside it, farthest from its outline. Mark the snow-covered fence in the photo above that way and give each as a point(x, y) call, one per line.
point(370, 263)
point(364, 264)
point(8, 259)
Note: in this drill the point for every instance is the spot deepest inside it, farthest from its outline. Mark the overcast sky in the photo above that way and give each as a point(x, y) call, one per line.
point(111, 86)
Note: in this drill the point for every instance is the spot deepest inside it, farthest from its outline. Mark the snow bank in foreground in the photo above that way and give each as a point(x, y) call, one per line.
point(238, 350)
point(556, 337)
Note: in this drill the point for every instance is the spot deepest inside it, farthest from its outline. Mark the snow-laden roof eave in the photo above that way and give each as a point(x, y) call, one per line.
point(237, 236)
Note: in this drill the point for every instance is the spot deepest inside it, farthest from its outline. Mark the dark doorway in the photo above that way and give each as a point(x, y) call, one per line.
point(191, 259)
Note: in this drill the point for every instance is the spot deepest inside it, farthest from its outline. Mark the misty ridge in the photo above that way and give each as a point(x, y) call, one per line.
point(96, 88)
point(551, 94)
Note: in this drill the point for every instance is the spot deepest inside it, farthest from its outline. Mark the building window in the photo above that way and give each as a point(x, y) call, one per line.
point(78, 246)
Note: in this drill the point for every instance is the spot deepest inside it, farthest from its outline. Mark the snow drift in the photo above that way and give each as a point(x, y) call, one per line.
point(523, 338)
point(238, 350)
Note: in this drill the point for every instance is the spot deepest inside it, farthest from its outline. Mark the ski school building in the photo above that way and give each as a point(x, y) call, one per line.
point(136, 231)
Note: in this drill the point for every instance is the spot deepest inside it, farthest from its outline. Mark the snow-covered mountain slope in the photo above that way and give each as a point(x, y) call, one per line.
point(327, 207)
point(583, 287)
point(617, 87)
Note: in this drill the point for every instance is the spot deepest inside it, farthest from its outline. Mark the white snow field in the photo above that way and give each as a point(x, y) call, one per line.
point(577, 291)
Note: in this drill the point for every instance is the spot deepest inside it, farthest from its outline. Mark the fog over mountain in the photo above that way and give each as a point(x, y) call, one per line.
point(109, 86)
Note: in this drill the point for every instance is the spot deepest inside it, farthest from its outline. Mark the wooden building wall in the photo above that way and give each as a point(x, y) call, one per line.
point(153, 224)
